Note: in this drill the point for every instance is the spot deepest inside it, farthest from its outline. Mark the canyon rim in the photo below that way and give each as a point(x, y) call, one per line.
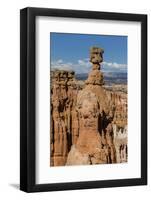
point(88, 118)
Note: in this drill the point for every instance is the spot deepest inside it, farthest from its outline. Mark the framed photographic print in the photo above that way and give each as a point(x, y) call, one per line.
point(83, 99)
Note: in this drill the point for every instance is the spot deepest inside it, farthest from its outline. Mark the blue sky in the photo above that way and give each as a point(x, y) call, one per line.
point(71, 51)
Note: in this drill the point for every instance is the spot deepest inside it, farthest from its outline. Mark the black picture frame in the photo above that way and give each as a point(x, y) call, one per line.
point(28, 99)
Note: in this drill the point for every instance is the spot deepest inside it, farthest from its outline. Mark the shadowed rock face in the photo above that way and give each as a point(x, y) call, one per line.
point(87, 125)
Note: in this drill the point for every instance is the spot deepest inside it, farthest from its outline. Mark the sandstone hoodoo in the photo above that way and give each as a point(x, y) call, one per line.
point(63, 122)
point(89, 123)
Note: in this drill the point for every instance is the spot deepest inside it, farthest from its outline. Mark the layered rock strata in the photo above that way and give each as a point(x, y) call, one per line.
point(64, 121)
point(119, 124)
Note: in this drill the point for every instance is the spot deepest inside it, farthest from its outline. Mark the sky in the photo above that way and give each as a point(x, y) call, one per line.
point(71, 52)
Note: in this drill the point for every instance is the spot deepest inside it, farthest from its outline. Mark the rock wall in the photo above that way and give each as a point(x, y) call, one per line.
point(119, 123)
point(64, 121)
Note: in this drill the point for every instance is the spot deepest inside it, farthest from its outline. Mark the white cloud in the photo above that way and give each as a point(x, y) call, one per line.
point(60, 61)
point(81, 66)
point(114, 65)
point(59, 64)
point(84, 66)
